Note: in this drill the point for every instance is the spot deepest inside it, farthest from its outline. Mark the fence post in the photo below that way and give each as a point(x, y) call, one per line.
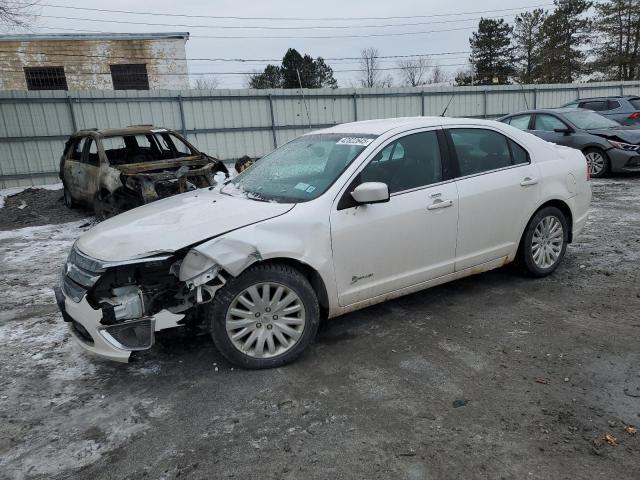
point(484, 99)
point(535, 98)
point(182, 122)
point(621, 89)
point(578, 92)
point(422, 100)
point(273, 123)
point(72, 113)
point(355, 107)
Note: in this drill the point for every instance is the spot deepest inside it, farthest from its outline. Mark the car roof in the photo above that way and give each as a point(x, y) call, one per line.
point(547, 110)
point(624, 97)
point(114, 132)
point(380, 126)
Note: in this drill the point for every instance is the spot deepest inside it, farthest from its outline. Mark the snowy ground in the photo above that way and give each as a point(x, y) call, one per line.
point(372, 399)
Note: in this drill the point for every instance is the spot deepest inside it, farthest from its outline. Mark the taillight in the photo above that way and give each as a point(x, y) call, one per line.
point(634, 116)
point(588, 170)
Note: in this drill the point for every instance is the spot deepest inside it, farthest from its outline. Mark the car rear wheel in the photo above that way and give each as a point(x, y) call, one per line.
point(265, 317)
point(544, 242)
point(598, 162)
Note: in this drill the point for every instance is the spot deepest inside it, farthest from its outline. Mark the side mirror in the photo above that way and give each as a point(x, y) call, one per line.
point(565, 131)
point(371, 192)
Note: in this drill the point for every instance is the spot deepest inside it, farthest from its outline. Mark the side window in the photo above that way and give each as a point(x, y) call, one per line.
point(521, 122)
point(595, 105)
point(409, 162)
point(612, 104)
point(78, 147)
point(518, 154)
point(91, 156)
point(548, 123)
point(480, 150)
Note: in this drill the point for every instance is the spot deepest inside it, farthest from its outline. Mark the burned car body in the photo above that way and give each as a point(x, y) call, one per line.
point(114, 170)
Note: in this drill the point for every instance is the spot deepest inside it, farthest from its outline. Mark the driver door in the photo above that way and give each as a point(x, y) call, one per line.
point(384, 247)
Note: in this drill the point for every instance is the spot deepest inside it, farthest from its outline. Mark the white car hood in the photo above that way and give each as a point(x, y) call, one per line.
point(173, 223)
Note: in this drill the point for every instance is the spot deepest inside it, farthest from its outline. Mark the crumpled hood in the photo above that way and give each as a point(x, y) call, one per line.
point(622, 134)
point(172, 223)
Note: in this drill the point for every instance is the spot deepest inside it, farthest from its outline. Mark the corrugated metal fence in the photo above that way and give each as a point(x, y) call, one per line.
point(230, 123)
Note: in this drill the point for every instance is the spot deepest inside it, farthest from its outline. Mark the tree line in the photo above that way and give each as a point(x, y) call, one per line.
point(577, 40)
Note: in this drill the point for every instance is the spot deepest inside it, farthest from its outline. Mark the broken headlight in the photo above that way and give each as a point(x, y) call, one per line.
point(625, 146)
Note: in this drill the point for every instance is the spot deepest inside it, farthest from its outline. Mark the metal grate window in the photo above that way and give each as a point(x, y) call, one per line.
point(45, 78)
point(130, 76)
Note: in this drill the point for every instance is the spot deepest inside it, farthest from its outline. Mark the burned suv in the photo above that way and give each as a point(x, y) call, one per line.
point(114, 170)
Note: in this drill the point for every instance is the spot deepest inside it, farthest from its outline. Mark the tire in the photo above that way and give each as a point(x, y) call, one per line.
point(229, 315)
point(547, 219)
point(105, 206)
point(68, 200)
point(598, 162)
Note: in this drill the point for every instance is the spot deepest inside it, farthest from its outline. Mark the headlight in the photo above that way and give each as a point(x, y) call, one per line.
point(625, 146)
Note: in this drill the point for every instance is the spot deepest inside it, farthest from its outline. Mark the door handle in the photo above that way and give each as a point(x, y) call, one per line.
point(527, 181)
point(440, 204)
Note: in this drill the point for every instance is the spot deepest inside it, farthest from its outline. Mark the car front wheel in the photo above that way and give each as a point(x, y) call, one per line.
point(265, 317)
point(544, 242)
point(597, 161)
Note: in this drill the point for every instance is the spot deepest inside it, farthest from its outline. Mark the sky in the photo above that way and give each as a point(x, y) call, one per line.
point(448, 25)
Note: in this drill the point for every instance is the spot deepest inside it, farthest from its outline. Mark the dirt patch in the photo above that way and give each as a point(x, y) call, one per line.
point(37, 206)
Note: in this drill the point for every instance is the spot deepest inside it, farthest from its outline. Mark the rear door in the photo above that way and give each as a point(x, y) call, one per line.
point(72, 169)
point(89, 178)
point(498, 187)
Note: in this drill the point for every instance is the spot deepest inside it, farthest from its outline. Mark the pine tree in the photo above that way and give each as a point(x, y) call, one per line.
point(528, 40)
point(296, 70)
point(618, 41)
point(565, 32)
point(491, 52)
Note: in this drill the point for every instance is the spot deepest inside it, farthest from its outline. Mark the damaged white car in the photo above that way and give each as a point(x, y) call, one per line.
point(331, 222)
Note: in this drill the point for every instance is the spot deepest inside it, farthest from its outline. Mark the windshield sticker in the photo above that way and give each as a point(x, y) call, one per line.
point(363, 142)
point(302, 186)
point(310, 189)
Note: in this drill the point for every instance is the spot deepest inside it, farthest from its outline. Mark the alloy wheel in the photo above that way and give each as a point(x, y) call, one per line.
point(547, 242)
point(265, 320)
point(596, 163)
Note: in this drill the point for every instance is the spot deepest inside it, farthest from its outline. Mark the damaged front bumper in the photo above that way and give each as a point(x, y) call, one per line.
point(113, 342)
point(624, 161)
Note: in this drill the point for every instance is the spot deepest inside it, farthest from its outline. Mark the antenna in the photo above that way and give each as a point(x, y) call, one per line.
point(448, 103)
point(303, 99)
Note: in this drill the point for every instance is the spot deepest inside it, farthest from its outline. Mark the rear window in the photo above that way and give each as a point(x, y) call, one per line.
point(635, 102)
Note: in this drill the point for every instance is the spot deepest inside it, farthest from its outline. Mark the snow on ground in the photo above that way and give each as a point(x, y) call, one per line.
point(47, 380)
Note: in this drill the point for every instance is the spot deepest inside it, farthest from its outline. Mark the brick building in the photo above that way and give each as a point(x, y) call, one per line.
point(101, 61)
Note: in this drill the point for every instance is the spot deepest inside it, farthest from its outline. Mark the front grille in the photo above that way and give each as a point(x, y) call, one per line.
point(82, 332)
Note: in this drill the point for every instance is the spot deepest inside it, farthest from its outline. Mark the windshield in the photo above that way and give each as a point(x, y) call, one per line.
point(588, 120)
point(301, 170)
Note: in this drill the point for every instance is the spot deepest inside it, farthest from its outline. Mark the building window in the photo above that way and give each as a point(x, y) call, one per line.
point(130, 76)
point(45, 78)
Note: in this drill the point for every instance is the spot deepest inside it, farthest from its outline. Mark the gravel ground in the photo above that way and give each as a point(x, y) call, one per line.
point(493, 376)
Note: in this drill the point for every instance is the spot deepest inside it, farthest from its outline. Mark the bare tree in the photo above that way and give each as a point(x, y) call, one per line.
point(370, 75)
point(17, 13)
point(437, 75)
point(414, 71)
point(207, 83)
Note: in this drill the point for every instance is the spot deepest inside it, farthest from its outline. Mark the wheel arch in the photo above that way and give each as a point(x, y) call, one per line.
point(311, 274)
point(560, 205)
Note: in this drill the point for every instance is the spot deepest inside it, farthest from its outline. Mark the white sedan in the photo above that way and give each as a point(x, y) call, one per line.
point(333, 221)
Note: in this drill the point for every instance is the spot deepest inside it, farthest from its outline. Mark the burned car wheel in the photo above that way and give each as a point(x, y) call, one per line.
point(265, 317)
point(68, 200)
point(544, 242)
